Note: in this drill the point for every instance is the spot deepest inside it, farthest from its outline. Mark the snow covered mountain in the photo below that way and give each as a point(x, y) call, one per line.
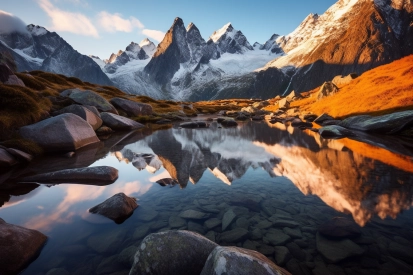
point(351, 36)
point(185, 66)
point(38, 49)
point(133, 51)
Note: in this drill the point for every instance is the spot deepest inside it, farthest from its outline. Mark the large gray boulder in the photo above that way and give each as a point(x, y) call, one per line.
point(94, 120)
point(90, 98)
point(118, 208)
point(172, 252)
point(65, 132)
point(18, 247)
point(385, 124)
point(132, 108)
point(239, 261)
point(98, 175)
point(327, 89)
point(117, 122)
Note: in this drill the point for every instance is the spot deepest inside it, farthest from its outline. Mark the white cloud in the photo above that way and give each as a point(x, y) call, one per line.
point(154, 34)
point(115, 22)
point(68, 21)
point(10, 23)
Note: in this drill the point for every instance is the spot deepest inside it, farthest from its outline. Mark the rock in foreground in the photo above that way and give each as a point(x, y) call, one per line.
point(237, 261)
point(99, 175)
point(18, 247)
point(118, 208)
point(94, 120)
point(90, 98)
point(172, 252)
point(65, 132)
point(117, 122)
point(132, 108)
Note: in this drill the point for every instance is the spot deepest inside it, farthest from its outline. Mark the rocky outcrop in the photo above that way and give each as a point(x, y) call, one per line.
point(132, 108)
point(65, 132)
point(6, 159)
point(118, 208)
point(172, 252)
point(238, 261)
point(117, 122)
point(335, 131)
point(89, 98)
point(18, 247)
point(327, 89)
point(348, 29)
point(93, 119)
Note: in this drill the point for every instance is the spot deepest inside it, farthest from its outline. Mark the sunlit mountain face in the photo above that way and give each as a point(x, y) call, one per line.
point(268, 174)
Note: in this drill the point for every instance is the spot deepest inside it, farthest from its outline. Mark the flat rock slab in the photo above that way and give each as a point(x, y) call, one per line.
point(235, 235)
point(117, 122)
point(193, 214)
point(132, 108)
point(172, 252)
point(18, 247)
point(337, 250)
point(340, 227)
point(239, 261)
point(118, 208)
point(65, 132)
point(229, 216)
point(277, 237)
point(99, 175)
point(90, 98)
point(323, 117)
point(385, 124)
point(144, 214)
point(85, 113)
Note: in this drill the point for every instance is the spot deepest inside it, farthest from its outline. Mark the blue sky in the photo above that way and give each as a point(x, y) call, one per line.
point(101, 27)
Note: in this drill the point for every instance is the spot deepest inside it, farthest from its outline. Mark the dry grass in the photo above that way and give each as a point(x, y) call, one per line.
point(21, 106)
point(382, 90)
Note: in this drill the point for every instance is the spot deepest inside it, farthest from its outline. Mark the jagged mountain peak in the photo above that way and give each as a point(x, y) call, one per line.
point(227, 28)
point(191, 26)
point(178, 22)
point(133, 47)
point(36, 30)
point(145, 42)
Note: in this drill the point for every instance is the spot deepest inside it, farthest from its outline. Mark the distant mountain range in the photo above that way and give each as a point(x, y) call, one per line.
point(351, 36)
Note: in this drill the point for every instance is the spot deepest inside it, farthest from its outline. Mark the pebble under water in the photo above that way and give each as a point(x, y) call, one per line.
point(312, 206)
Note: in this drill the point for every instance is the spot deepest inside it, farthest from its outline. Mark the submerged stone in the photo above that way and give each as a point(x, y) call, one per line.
point(193, 214)
point(337, 250)
point(229, 216)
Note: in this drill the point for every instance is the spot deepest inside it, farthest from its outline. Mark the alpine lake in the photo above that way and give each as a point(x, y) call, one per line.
point(311, 205)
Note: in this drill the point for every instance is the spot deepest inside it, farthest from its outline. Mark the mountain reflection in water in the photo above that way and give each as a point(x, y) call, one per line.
point(345, 180)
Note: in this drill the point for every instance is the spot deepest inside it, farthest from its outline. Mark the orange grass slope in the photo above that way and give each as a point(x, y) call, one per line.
point(382, 90)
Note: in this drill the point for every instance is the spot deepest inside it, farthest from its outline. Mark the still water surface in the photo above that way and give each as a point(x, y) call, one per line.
point(282, 184)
